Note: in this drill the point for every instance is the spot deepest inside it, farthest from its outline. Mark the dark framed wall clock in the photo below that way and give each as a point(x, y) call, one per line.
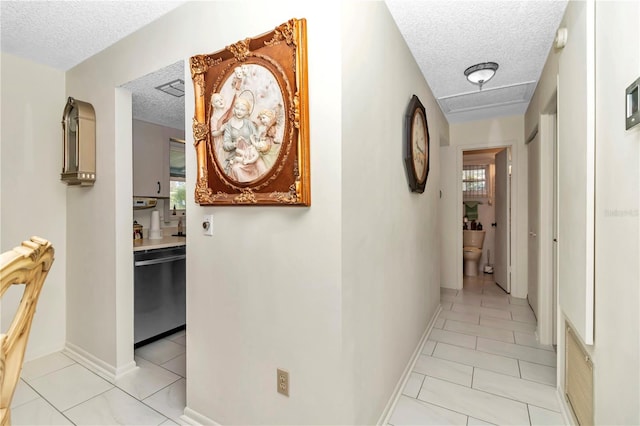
point(416, 145)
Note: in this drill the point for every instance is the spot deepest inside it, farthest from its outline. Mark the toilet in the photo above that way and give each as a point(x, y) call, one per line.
point(472, 251)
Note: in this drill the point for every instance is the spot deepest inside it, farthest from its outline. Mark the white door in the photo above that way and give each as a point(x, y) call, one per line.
point(534, 222)
point(502, 225)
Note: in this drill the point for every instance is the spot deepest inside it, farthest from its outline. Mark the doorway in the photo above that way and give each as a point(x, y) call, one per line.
point(155, 118)
point(542, 183)
point(534, 289)
point(546, 248)
point(486, 210)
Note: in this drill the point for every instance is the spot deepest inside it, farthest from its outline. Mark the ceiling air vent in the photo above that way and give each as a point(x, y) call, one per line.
point(174, 88)
point(499, 96)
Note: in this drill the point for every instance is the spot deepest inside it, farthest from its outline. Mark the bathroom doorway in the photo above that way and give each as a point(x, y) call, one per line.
point(486, 208)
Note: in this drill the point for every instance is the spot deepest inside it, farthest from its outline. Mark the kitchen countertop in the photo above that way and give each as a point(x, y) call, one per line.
point(164, 242)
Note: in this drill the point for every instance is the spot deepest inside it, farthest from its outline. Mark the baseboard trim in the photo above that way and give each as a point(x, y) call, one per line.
point(192, 417)
point(397, 392)
point(450, 287)
point(95, 364)
point(565, 410)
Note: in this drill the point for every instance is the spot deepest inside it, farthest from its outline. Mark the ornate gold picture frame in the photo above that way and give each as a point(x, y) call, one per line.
point(251, 124)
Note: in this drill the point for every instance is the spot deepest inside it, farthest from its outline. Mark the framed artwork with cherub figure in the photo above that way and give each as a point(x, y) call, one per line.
point(251, 123)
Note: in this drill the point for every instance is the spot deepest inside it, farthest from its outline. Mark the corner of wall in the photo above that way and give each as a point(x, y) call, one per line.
point(32, 100)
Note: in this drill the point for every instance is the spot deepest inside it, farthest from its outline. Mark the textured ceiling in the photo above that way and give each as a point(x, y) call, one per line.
point(446, 37)
point(154, 106)
point(62, 34)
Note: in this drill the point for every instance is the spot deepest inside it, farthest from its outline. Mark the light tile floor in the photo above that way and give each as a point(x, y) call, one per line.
point(56, 390)
point(481, 364)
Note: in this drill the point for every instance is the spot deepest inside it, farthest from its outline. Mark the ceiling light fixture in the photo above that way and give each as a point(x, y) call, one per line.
point(174, 88)
point(481, 73)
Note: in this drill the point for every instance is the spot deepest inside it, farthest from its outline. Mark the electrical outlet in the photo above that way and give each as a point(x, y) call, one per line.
point(283, 382)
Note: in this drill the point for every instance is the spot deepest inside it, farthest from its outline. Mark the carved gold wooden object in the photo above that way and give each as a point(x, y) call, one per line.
point(275, 79)
point(26, 265)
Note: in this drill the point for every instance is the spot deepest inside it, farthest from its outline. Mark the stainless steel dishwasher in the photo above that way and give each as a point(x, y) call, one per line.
point(159, 293)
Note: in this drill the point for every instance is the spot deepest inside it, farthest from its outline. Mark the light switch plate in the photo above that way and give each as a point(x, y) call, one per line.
point(207, 225)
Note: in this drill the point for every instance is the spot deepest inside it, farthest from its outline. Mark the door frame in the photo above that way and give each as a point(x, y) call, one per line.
point(124, 262)
point(547, 277)
point(513, 211)
point(535, 223)
point(124, 214)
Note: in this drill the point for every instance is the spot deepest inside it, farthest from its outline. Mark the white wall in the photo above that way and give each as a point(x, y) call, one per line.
point(270, 289)
point(243, 322)
point(450, 269)
point(502, 131)
point(617, 219)
point(390, 247)
point(569, 71)
point(576, 172)
point(99, 224)
point(33, 199)
point(265, 291)
point(616, 348)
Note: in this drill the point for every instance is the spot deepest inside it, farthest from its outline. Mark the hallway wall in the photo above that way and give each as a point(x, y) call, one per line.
point(390, 256)
point(33, 199)
point(617, 222)
point(576, 172)
point(499, 131)
point(615, 249)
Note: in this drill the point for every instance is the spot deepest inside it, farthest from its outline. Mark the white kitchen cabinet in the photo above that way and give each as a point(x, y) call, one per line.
point(151, 159)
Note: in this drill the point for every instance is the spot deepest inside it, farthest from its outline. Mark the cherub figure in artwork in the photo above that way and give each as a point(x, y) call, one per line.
point(220, 114)
point(247, 165)
point(240, 73)
point(266, 134)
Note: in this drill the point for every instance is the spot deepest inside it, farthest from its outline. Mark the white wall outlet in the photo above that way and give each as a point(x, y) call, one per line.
point(207, 225)
point(283, 382)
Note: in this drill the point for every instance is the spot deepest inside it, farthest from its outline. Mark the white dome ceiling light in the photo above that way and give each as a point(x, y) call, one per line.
point(481, 73)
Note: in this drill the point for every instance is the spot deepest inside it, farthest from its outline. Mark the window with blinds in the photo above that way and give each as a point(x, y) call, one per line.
point(475, 181)
point(177, 184)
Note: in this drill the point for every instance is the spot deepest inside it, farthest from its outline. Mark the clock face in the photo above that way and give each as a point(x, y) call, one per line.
point(416, 145)
point(72, 124)
point(419, 149)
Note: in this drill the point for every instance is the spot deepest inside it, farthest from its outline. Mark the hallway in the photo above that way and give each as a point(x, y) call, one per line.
point(481, 364)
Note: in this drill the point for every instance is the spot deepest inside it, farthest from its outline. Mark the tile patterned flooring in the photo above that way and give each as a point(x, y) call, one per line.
point(56, 390)
point(481, 364)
